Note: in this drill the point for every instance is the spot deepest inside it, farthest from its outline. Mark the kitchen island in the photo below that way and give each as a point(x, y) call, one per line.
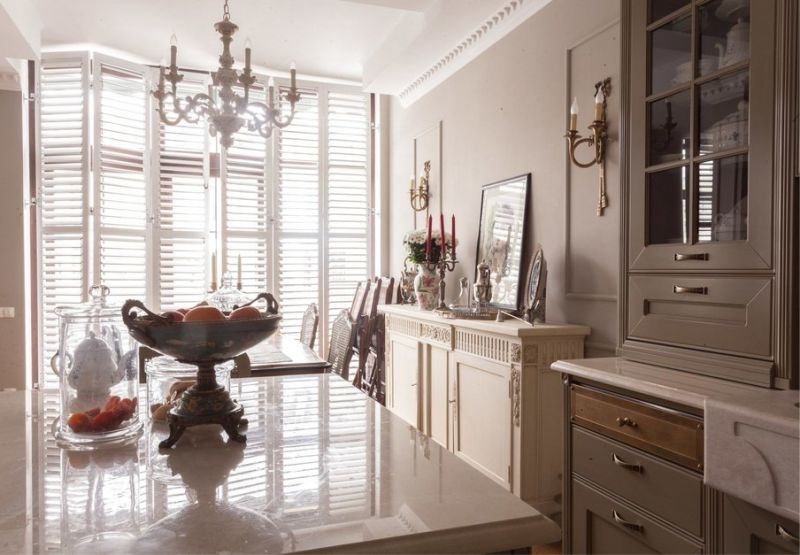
point(325, 469)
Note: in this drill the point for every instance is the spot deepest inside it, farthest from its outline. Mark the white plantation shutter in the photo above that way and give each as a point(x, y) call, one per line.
point(182, 198)
point(245, 210)
point(299, 225)
point(121, 205)
point(63, 195)
point(348, 197)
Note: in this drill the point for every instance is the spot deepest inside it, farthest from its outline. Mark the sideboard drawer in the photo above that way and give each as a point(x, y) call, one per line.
point(730, 314)
point(674, 494)
point(674, 436)
point(603, 525)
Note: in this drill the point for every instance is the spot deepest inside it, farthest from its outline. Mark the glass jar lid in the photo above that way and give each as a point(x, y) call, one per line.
point(97, 306)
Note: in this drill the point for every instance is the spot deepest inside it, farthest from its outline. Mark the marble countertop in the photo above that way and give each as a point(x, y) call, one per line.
point(508, 327)
point(684, 388)
point(325, 469)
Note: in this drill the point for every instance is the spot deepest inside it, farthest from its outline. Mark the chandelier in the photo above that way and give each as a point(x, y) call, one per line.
point(231, 110)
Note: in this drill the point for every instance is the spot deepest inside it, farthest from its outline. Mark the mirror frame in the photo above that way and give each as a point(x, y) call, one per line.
point(522, 277)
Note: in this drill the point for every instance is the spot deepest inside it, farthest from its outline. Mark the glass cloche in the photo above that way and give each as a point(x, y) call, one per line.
point(98, 365)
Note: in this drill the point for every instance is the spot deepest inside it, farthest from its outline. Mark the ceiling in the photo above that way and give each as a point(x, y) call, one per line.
point(383, 44)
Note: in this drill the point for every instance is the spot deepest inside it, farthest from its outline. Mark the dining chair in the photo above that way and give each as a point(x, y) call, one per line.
point(340, 347)
point(363, 331)
point(309, 325)
point(360, 297)
point(386, 285)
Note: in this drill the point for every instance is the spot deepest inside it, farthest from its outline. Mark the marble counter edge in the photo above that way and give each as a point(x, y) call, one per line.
point(509, 327)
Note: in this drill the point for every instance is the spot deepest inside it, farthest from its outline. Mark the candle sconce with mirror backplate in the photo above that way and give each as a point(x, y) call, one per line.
point(420, 193)
point(596, 141)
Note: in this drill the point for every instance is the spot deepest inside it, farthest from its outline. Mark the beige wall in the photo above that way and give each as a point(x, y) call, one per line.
point(12, 262)
point(505, 114)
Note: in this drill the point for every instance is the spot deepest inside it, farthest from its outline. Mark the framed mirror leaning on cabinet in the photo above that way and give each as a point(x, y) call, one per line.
point(706, 186)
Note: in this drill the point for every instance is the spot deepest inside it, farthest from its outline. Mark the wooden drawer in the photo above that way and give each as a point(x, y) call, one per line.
point(672, 493)
point(602, 525)
point(727, 314)
point(750, 529)
point(672, 435)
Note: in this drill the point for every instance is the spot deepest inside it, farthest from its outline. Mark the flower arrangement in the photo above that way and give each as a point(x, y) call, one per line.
point(415, 242)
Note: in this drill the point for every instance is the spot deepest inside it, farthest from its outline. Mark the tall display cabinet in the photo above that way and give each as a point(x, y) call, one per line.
point(710, 180)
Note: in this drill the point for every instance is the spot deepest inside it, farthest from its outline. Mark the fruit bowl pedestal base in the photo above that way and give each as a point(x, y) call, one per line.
point(206, 402)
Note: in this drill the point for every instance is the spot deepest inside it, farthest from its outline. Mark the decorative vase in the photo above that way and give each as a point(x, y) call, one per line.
point(426, 287)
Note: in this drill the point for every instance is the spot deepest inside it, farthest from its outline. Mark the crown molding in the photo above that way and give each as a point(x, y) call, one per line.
point(496, 26)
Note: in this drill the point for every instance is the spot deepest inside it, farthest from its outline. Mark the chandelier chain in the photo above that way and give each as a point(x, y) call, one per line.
point(226, 12)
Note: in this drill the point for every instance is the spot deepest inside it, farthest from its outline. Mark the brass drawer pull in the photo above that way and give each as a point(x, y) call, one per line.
point(630, 525)
point(679, 256)
point(786, 535)
point(690, 290)
point(626, 465)
point(625, 421)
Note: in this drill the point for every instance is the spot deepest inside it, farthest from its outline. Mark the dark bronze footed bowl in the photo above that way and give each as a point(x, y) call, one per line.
point(200, 342)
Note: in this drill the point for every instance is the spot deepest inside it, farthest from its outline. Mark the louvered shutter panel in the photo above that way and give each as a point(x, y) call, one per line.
point(63, 195)
point(183, 208)
point(245, 215)
point(299, 224)
point(120, 183)
point(347, 197)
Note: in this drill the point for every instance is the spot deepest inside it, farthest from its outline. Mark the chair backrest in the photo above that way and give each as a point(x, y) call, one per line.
point(372, 300)
point(340, 348)
point(387, 287)
point(308, 328)
point(357, 308)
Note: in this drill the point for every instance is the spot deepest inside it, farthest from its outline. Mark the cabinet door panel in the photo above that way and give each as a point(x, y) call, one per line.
point(724, 314)
point(482, 434)
point(439, 409)
point(602, 525)
point(403, 381)
point(750, 529)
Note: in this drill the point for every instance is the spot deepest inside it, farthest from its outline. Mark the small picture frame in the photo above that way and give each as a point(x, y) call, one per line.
point(536, 290)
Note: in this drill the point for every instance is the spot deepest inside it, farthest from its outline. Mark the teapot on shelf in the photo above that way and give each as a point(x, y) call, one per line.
point(737, 44)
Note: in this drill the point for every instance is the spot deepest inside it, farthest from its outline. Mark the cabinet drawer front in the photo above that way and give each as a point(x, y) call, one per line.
point(602, 525)
point(717, 313)
point(750, 529)
point(674, 494)
point(674, 436)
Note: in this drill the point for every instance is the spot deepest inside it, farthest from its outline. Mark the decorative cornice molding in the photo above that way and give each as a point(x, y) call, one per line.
point(495, 27)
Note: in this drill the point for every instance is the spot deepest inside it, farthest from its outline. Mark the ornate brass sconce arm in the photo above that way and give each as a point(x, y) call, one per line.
point(596, 141)
point(420, 195)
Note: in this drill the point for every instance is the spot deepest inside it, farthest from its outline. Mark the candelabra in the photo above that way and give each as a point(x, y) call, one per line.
point(420, 193)
point(443, 265)
point(597, 139)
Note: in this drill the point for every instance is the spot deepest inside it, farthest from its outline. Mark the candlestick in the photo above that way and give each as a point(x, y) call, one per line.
point(213, 271)
point(239, 272)
point(453, 235)
point(441, 230)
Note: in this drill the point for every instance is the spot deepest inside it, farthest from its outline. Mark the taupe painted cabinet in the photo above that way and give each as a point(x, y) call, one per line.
point(709, 123)
point(485, 391)
point(636, 484)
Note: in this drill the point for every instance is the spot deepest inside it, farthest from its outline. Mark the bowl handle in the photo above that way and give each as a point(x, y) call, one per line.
point(272, 304)
point(128, 315)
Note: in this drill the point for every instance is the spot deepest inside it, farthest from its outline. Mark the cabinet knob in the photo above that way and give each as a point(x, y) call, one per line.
point(625, 421)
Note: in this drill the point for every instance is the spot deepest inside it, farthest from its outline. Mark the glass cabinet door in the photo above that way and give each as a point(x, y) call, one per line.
point(701, 134)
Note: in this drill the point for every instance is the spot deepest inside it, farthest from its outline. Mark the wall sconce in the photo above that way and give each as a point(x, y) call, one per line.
point(419, 193)
point(597, 139)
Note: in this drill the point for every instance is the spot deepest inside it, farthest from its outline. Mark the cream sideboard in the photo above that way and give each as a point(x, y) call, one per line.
point(485, 391)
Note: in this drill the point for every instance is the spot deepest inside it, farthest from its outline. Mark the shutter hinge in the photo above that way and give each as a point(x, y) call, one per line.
point(374, 126)
point(30, 97)
point(31, 202)
point(91, 210)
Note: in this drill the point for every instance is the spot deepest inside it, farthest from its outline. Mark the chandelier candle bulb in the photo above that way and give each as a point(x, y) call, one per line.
point(293, 72)
point(573, 115)
point(173, 50)
point(247, 52)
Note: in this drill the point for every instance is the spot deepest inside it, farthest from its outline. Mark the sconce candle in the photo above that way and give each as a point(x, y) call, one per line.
point(428, 241)
point(595, 141)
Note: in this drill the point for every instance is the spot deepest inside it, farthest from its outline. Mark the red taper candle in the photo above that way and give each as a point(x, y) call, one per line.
point(428, 242)
point(441, 228)
point(453, 234)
